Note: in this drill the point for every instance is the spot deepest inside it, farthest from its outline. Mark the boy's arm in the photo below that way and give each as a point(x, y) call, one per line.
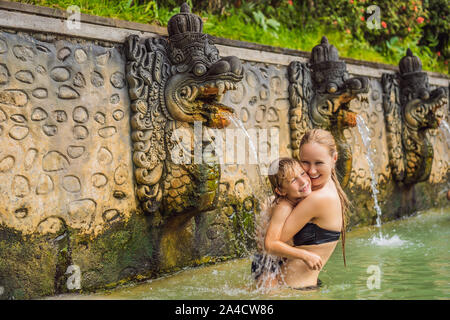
point(275, 246)
point(303, 212)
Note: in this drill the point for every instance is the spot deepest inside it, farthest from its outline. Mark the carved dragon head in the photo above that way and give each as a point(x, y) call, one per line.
point(200, 76)
point(422, 108)
point(174, 83)
point(333, 88)
point(411, 109)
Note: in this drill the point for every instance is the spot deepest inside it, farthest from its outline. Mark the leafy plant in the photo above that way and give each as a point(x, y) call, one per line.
point(423, 26)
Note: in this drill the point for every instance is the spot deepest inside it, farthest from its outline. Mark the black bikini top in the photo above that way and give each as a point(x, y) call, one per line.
point(311, 233)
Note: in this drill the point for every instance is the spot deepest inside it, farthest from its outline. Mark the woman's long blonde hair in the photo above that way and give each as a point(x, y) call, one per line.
point(326, 139)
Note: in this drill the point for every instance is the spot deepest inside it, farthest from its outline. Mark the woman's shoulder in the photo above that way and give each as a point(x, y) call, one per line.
point(322, 197)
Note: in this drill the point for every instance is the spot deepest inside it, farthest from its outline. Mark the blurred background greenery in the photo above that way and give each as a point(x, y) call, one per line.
point(423, 26)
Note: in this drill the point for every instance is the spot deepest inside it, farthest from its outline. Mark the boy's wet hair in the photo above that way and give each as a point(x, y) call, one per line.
point(280, 170)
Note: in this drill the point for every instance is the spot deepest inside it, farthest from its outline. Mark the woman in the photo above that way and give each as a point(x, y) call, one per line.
point(316, 222)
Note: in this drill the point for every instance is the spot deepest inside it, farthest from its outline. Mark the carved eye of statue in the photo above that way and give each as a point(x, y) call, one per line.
point(420, 110)
point(199, 69)
point(325, 108)
point(185, 92)
point(332, 87)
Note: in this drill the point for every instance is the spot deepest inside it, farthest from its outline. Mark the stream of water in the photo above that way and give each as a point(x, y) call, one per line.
point(445, 129)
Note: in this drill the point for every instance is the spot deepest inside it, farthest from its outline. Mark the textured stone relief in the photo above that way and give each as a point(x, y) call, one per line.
point(412, 109)
point(64, 136)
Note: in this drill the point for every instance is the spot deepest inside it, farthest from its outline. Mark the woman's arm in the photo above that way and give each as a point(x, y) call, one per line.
point(275, 246)
point(303, 212)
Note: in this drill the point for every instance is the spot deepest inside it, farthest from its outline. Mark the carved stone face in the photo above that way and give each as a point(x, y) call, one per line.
point(422, 108)
point(334, 89)
point(200, 81)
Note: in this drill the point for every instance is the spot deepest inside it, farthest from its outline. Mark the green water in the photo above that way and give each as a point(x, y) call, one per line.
point(413, 262)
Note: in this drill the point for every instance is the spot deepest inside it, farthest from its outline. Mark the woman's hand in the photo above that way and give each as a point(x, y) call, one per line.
point(312, 260)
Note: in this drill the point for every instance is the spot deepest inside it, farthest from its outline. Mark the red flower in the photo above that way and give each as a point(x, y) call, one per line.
point(290, 2)
point(351, 1)
point(383, 24)
point(409, 29)
point(335, 22)
point(420, 20)
point(362, 18)
point(415, 8)
point(348, 31)
point(438, 53)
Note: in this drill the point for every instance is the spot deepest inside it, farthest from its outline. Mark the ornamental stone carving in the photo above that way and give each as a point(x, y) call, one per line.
point(411, 109)
point(172, 84)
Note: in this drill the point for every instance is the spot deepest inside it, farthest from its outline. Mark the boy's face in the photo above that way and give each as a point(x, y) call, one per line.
point(296, 185)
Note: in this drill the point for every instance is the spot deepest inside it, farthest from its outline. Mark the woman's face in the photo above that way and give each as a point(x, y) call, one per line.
point(297, 185)
point(318, 163)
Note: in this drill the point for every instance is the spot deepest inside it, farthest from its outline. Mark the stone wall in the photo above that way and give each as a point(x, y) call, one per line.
point(67, 196)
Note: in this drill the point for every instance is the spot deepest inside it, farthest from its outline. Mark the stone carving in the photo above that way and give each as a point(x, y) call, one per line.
point(173, 83)
point(53, 95)
point(60, 74)
point(30, 157)
point(39, 114)
point(19, 132)
point(25, 76)
point(319, 93)
point(66, 92)
point(71, 183)
point(411, 109)
point(7, 163)
point(45, 184)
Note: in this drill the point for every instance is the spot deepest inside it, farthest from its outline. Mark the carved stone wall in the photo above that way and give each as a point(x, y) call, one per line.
point(67, 190)
point(64, 132)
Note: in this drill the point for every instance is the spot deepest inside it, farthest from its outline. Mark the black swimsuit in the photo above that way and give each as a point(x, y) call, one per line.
point(311, 233)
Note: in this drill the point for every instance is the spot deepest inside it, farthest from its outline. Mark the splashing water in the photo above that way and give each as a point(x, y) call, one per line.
point(393, 241)
point(379, 239)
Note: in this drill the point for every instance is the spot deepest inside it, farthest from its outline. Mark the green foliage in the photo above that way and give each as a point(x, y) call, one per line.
point(422, 26)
